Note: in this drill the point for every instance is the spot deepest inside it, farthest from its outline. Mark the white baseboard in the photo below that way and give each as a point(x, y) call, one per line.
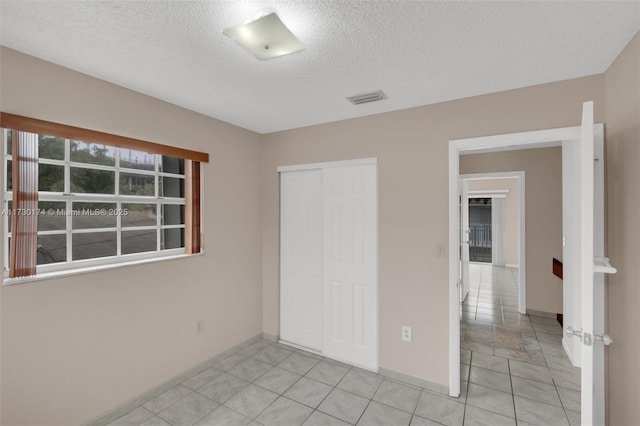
point(414, 381)
point(296, 346)
point(569, 354)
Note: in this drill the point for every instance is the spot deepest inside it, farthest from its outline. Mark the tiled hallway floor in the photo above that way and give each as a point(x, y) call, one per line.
point(512, 367)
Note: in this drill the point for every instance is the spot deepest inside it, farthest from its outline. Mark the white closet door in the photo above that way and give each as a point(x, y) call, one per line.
point(350, 265)
point(301, 258)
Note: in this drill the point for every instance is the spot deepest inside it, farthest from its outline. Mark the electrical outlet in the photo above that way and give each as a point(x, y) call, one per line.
point(199, 326)
point(442, 250)
point(406, 333)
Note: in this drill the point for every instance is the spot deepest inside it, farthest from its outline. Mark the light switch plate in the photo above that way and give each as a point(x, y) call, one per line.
point(406, 333)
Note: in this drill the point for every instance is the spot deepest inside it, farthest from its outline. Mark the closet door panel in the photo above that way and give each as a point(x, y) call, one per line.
point(350, 267)
point(301, 315)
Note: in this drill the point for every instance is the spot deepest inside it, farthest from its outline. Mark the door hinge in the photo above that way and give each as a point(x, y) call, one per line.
point(587, 338)
point(571, 332)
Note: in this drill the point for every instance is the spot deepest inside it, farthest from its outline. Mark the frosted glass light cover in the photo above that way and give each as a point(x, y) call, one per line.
point(266, 37)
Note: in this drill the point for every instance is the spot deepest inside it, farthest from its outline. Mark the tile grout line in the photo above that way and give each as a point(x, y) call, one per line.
point(370, 400)
point(250, 382)
point(513, 394)
point(562, 402)
point(466, 399)
point(255, 384)
point(329, 393)
point(172, 404)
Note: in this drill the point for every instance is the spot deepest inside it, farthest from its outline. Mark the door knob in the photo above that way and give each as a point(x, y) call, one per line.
point(604, 338)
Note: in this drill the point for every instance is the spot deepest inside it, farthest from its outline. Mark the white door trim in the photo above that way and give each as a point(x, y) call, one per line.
point(522, 267)
point(488, 193)
point(341, 163)
point(465, 245)
point(524, 140)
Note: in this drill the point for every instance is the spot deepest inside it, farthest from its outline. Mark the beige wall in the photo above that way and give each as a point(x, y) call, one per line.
point(543, 216)
point(73, 348)
point(511, 212)
point(412, 150)
point(622, 139)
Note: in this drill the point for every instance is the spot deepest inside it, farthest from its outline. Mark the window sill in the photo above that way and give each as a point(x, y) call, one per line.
point(89, 269)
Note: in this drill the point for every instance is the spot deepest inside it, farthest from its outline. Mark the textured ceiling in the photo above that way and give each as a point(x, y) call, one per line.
point(417, 52)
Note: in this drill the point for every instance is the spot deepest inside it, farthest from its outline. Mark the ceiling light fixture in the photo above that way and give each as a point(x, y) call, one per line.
point(266, 37)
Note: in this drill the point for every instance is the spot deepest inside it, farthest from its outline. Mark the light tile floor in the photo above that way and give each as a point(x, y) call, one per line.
point(513, 370)
point(512, 365)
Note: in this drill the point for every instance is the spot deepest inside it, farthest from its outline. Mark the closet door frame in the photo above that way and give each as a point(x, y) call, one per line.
point(325, 165)
point(341, 163)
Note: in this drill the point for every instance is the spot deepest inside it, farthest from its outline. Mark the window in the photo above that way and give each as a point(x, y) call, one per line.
point(75, 198)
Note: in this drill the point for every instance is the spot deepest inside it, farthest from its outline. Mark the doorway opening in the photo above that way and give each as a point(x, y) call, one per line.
point(480, 213)
point(580, 146)
point(499, 346)
point(499, 236)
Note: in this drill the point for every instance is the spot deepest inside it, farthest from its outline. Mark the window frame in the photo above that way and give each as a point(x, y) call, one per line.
point(84, 265)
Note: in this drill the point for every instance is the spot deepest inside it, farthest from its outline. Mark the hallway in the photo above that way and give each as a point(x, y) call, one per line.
point(513, 367)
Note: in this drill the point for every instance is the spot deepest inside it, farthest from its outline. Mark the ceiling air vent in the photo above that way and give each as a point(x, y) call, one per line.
point(367, 97)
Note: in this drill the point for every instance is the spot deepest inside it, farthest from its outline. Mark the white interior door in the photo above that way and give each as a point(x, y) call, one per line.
point(350, 273)
point(571, 250)
point(592, 407)
point(498, 230)
point(464, 239)
point(584, 240)
point(301, 268)
point(599, 281)
point(585, 158)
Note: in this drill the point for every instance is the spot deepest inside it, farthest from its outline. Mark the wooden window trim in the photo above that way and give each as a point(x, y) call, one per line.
point(192, 243)
point(33, 125)
point(24, 225)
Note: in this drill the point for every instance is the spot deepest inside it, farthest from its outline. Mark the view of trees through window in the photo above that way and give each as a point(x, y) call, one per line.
point(97, 201)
